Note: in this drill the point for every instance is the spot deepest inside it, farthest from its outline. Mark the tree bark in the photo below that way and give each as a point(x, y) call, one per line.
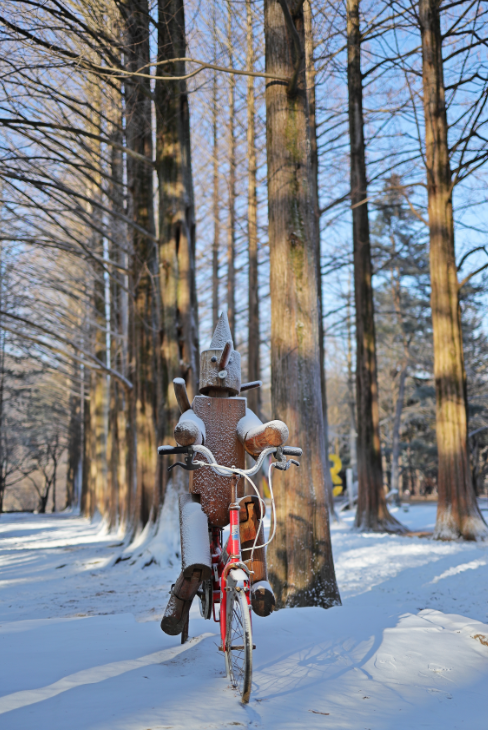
point(216, 198)
point(119, 474)
point(74, 440)
point(350, 389)
point(231, 231)
point(314, 161)
point(145, 399)
point(301, 564)
point(253, 363)
point(2, 385)
point(395, 451)
point(458, 514)
point(180, 346)
point(372, 512)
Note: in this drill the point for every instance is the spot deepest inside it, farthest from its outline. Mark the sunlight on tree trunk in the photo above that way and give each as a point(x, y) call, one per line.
point(458, 514)
point(253, 361)
point(144, 309)
point(301, 564)
point(231, 183)
point(314, 161)
point(372, 512)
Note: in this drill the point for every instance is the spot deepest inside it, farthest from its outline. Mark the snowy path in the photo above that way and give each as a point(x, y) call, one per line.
point(81, 648)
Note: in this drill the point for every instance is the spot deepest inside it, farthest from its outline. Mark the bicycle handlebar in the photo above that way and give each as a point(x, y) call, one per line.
point(224, 470)
point(167, 450)
point(292, 450)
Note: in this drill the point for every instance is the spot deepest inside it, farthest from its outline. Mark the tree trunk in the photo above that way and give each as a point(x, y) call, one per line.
point(43, 503)
point(372, 512)
point(74, 440)
point(119, 439)
point(176, 214)
point(86, 499)
point(253, 363)
point(314, 161)
point(458, 514)
point(145, 405)
point(231, 232)
point(350, 390)
point(216, 198)
point(2, 389)
point(301, 564)
point(395, 452)
point(55, 470)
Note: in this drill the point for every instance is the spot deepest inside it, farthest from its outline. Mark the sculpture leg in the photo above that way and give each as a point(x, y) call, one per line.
point(196, 563)
point(262, 596)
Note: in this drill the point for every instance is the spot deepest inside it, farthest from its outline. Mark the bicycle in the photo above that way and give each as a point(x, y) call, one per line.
point(229, 586)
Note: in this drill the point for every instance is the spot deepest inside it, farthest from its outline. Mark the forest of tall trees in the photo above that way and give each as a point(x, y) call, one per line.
point(316, 169)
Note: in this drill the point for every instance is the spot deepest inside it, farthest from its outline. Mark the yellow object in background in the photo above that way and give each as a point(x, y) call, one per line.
point(334, 473)
point(335, 469)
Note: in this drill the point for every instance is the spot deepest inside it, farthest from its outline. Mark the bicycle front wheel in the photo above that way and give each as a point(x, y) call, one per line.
point(238, 645)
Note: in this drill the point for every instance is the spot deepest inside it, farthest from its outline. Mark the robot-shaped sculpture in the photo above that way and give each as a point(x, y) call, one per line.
point(219, 419)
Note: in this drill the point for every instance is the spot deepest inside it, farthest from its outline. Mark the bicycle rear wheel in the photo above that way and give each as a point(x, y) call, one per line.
point(238, 645)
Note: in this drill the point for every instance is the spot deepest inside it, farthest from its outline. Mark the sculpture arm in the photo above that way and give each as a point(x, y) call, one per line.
point(190, 429)
point(256, 436)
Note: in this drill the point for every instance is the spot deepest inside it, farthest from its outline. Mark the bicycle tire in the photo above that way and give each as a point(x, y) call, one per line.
point(238, 645)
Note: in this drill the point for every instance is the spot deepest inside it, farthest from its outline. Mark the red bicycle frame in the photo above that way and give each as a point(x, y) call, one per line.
point(221, 569)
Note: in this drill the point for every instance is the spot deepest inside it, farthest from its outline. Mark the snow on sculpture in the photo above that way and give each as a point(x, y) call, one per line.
point(219, 419)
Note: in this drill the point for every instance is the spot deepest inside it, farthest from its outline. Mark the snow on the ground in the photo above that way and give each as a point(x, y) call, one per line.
point(81, 647)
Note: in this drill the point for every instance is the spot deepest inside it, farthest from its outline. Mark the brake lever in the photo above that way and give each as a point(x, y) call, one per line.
point(283, 464)
point(189, 464)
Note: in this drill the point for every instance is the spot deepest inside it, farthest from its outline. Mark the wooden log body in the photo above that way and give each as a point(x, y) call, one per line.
point(220, 416)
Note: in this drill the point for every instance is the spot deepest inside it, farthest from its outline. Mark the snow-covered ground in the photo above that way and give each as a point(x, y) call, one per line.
point(81, 647)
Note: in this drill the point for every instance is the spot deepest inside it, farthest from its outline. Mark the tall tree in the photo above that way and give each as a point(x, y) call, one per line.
point(253, 363)
point(314, 161)
point(143, 326)
point(180, 346)
point(231, 183)
point(372, 512)
point(75, 454)
point(301, 564)
point(458, 514)
point(215, 203)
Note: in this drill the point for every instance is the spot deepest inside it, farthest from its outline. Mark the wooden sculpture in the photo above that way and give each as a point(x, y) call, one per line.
point(219, 419)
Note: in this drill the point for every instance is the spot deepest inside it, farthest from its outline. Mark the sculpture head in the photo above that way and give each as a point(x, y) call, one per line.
point(220, 365)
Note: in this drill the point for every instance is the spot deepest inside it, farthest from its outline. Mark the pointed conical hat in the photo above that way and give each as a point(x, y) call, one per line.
point(211, 377)
point(222, 333)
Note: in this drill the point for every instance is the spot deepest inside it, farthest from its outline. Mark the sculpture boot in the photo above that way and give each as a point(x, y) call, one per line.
point(182, 594)
point(196, 563)
point(262, 596)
